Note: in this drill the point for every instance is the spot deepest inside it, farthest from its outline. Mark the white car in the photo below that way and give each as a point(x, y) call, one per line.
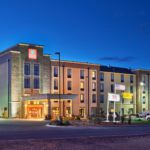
point(147, 117)
point(144, 114)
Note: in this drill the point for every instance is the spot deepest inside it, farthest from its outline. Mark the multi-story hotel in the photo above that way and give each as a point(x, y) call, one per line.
point(34, 86)
point(109, 76)
point(143, 89)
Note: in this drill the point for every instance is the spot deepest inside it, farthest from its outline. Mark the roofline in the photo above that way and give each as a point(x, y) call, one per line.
point(25, 44)
point(68, 61)
point(142, 70)
point(30, 44)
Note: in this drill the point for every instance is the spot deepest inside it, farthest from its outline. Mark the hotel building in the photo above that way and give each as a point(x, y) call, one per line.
point(34, 86)
point(109, 76)
point(143, 90)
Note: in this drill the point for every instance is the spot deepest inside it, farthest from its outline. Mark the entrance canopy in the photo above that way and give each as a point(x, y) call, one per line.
point(49, 96)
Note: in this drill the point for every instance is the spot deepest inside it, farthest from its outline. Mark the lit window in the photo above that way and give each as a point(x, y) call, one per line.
point(27, 69)
point(36, 83)
point(93, 98)
point(69, 73)
point(82, 98)
point(69, 84)
point(27, 83)
point(55, 84)
point(36, 69)
point(82, 86)
point(55, 71)
point(94, 75)
point(93, 86)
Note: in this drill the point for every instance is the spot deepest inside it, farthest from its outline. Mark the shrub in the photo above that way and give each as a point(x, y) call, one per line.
point(60, 123)
point(66, 123)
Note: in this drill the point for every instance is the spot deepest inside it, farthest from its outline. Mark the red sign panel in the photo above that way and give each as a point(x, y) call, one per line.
point(32, 53)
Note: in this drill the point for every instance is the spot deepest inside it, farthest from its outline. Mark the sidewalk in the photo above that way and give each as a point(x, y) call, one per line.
point(20, 119)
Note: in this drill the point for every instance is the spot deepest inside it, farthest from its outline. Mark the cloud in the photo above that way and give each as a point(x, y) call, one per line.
point(117, 59)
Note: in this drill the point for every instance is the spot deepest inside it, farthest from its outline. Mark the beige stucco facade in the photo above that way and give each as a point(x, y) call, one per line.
point(128, 105)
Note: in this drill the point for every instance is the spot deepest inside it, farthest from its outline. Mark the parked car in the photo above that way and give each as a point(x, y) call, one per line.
point(145, 114)
point(147, 117)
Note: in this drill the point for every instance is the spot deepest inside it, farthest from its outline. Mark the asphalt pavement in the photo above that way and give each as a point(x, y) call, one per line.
point(21, 129)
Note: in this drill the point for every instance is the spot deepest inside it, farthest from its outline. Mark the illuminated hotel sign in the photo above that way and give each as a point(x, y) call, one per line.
point(32, 53)
point(113, 97)
point(127, 95)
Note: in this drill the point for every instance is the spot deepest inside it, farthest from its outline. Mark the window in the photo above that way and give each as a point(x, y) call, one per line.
point(82, 112)
point(144, 89)
point(112, 88)
point(36, 83)
point(93, 98)
point(69, 73)
point(36, 69)
point(144, 100)
point(82, 98)
point(144, 79)
point(101, 87)
point(93, 86)
point(112, 77)
point(26, 69)
point(55, 84)
point(55, 71)
point(122, 78)
point(94, 75)
point(101, 98)
point(27, 83)
point(82, 86)
point(131, 79)
point(101, 76)
point(131, 89)
point(81, 74)
point(69, 85)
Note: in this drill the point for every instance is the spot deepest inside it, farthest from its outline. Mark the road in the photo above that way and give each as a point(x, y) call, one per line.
point(14, 129)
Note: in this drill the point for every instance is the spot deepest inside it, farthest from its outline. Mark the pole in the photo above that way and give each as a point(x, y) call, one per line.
point(88, 92)
point(59, 87)
point(114, 108)
point(107, 120)
point(114, 120)
point(148, 92)
point(121, 113)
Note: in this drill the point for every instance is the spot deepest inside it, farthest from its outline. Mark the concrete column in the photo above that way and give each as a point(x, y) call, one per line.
point(49, 108)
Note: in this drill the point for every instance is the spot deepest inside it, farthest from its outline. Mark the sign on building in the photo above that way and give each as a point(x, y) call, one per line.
point(113, 97)
point(127, 95)
point(120, 87)
point(32, 53)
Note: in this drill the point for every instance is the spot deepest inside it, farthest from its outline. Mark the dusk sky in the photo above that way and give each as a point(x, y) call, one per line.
point(108, 32)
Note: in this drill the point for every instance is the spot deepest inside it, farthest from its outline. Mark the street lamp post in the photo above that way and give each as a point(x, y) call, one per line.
point(58, 53)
